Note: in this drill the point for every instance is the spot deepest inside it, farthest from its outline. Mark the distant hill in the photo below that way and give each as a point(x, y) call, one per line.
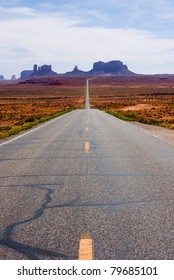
point(43, 71)
point(112, 68)
point(37, 72)
point(76, 72)
point(1, 78)
point(115, 67)
point(102, 80)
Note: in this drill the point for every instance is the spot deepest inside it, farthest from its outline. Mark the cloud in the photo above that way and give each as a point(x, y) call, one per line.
point(62, 41)
point(9, 2)
point(16, 12)
point(97, 15)
point(155, 12)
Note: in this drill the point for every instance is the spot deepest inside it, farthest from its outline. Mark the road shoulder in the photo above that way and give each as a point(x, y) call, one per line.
point(162, 133)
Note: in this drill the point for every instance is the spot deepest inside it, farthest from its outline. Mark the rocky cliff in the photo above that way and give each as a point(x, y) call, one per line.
point(1, 78)
point(75, 72)
point(114, 67)
point(41, 71)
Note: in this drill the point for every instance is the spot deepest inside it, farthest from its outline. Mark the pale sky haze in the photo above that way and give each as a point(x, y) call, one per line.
point(80, 32)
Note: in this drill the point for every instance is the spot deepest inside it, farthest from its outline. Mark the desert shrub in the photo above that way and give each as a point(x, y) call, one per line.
point(14, 131)
point(127, 116)
point(30, 119)
point(5, 128)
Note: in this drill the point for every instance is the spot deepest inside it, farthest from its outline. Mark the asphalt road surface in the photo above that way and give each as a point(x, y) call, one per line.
point(86, 174)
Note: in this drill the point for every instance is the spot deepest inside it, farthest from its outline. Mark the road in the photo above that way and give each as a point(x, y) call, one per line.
point(87, 104)
point(86, 175)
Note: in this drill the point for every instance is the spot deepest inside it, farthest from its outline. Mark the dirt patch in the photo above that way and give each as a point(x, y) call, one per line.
point(151, 103)
point(25, 105)
point(137, 107)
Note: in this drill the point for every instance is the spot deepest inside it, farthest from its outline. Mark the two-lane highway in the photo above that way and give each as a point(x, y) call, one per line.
point(86, 174)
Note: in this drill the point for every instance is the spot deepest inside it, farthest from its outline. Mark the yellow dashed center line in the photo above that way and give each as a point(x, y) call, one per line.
point(86, 247)
point(87, 147)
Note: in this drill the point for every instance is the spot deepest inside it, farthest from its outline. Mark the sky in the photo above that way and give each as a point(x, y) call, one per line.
point(66, 33)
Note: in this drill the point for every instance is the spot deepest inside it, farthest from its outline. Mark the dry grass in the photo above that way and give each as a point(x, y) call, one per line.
point(151, 103)
point(25, 105)
point(148, 100)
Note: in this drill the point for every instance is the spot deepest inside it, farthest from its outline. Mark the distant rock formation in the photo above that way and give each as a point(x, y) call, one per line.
point(13, 77)
point(114, 67)
point(34, 69)
point(41, 71)
point(1, 78)
point(75, 72)
point(25, 74)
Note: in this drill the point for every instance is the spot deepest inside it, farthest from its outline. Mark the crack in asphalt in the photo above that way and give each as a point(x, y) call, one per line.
point(32, 252)
point(29, 251)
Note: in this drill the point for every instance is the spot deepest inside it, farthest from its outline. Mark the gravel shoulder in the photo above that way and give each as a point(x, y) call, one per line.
point(162, 133)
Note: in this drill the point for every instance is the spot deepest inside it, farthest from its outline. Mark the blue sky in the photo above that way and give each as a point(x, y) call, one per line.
point(74, 32)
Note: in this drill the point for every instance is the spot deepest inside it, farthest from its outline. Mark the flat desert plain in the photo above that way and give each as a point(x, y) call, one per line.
point(145, 99)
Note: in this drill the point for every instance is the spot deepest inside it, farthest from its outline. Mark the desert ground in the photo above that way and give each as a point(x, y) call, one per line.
point(146, 99)
point(23, 105)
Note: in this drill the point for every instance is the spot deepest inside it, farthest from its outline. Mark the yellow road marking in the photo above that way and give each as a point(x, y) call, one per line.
point(87, 147)
point(86, 248)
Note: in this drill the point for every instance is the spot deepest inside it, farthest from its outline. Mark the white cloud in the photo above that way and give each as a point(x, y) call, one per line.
point(9, 2)
point(156, 11)
point(16, 12)
point(97, 15)
point(56, 39)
